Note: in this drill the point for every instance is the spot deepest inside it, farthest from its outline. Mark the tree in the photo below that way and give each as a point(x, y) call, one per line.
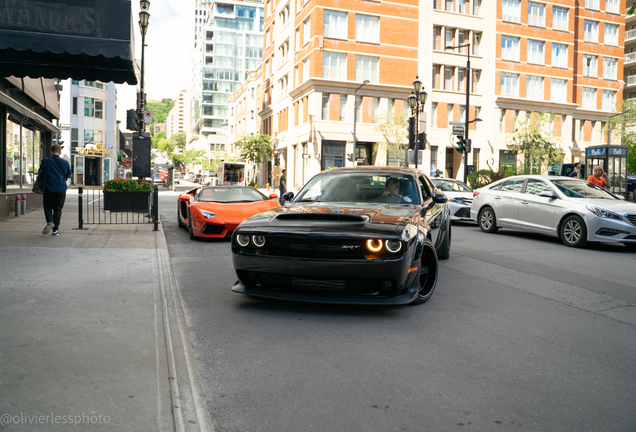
point(254, 149)
point(529, 139)
point(394, 128)
point(165, 145)
point(179, 141)
point(156, 138)
point(187, 158)
point(623, 128)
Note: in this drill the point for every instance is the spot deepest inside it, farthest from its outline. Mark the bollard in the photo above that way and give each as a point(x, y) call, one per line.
point(155, 208)
point(80, 214)
point(18, 204)
point(23, 210)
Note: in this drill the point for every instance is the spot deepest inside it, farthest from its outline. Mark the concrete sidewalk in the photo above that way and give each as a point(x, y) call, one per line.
point(93, 334)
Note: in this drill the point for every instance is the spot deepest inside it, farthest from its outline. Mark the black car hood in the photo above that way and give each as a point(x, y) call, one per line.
point(323, 216)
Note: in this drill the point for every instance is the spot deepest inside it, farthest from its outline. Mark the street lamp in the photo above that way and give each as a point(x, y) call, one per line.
point(416, 100)
point(467, 75)
point(355, 112)
point(609, 124)
point(144, 17)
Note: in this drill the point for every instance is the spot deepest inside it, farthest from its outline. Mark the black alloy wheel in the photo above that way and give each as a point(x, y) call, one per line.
point(487, 220)
point(428, 273)
point(192, 236)
point(443, 252)
point(573, 232)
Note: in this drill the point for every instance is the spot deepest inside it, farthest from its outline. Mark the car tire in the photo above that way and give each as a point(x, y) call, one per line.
point(428, 271)
point(630, 246)
point(573, 231)
point(192, 236)
point(179, 223)
point(443, 252)
point(487, 220)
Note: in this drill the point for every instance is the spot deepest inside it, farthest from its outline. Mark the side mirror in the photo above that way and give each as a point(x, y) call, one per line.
point(440, 198)
point(287, 196)
point(273, 196)
point(620, 197)
point(548, 194)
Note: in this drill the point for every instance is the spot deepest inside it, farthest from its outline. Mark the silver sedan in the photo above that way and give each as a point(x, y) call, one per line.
point(574, 210)
point(460, 196)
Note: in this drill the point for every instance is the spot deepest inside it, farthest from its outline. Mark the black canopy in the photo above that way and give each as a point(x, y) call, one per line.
point(79, 39)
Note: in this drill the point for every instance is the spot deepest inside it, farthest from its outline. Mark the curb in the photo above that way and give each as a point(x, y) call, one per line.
point(184, 399)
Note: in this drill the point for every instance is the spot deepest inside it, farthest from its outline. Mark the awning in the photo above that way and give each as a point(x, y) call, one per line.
point(79, 39)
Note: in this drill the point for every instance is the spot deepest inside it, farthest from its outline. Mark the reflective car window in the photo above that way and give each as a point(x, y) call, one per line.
point(582, 189)
point(536, 186)
point(513, 185)
point(451, 186)
point(426, 194)
point(230, 194)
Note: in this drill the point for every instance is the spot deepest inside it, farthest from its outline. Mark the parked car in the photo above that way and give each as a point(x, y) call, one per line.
point(631, 183)
point(215, 212)
point(574, 210)
point(460, 197)
point(363, 235)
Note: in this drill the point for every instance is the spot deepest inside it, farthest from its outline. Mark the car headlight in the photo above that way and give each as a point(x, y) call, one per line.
point(393, 246)
point(374, 245)
point(259, 240)
point(458, 201)
point(243, 240)
point(207, 214)
point(602, 213)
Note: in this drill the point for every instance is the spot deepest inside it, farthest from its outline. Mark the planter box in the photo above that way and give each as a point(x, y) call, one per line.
point(127, 201)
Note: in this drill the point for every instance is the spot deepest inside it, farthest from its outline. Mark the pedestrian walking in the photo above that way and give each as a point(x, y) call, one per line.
point(599, 178)
point(57, 171)
point(282, 187)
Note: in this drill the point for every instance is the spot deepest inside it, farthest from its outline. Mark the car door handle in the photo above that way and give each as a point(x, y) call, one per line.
point(497, 197)
point(524, 202)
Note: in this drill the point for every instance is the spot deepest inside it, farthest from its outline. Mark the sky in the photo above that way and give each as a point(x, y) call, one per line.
point(167, 47)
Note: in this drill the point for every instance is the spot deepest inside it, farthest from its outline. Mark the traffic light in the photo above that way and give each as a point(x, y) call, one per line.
point(467, 146)
point(276, 159)
point(411, 133)
point(132, 120)
point(421, 141)
point(350, 157)
point(461, 142)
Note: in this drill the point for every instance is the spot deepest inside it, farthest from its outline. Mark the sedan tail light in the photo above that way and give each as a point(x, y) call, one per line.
point(475, 193)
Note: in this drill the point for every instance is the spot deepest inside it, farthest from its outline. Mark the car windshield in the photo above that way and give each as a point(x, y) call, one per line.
point(347, 187)
point(451, 186)
point(230, 194)
point(582, 189)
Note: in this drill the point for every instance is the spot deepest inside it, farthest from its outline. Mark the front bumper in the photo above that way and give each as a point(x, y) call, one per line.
point(608, 230)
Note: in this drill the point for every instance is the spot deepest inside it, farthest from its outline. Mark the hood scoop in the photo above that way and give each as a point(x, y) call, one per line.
point(320, 217)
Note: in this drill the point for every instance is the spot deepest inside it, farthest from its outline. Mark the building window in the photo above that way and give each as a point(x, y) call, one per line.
point(434, 77)
point(582, 130)
point(434, 114)
point(560, 18)
point(502, 121)
point(611, 34)
point(343, 108)
point(559, 55)
point(449, 114)
point(590, 31)
point(535, 52)
point(89, 107)
point(335, 24)
point(475, 83)
point(509, 48)
point(534, 87)
point(433, 161)
point(390, 105)
point(536, 14)
point(590, 65)
point(558, 90)
point(325, 106)
point(609, 100)
point(367, 68)
point(449, 5)
point(477, 113)
point(589, 98)
point(477, 7)
point(74, 105)
point(612, 6)
point(462, 113)
point(99, 109)
point(358, 108)
point(448, 78)
point(306, 69)
point(476, 159)
point(610, 68)
point(461, 72)
point(509, 84)
point(511, 10)
point(367, 28)
point(592, 4)
point(334, 65)
point(461, 6)
point(74, 137)
point(508, 159)
point(306, 31)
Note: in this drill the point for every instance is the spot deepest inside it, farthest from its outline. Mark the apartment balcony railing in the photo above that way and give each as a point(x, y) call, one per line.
point(630, 58)
point(630, 100)
point(630, 80)
point(630, 35)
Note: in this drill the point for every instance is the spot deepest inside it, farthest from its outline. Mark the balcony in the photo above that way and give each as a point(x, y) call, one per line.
point(630, 58)
point(630, 80)
point(630, 35)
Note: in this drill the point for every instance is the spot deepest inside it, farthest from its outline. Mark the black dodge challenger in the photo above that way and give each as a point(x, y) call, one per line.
point(364, 235)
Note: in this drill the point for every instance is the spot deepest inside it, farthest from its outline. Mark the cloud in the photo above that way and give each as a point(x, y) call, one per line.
point(167, 46)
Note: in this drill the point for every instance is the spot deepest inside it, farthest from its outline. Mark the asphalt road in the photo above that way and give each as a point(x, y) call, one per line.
point(521, 334)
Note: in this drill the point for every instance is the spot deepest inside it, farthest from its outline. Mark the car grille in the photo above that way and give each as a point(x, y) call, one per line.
point(631, 218)
point(213, 229)
point(304, 247)
point(462, 213)
point(317, 285)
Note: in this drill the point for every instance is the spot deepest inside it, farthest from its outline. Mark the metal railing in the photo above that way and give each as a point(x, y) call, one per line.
point(91, 210)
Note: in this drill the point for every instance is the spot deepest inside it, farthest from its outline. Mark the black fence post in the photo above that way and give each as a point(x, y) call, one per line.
point(80, 210)
point(155, 208)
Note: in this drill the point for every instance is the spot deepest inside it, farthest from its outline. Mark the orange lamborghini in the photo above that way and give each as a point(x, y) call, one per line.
point(216, 211)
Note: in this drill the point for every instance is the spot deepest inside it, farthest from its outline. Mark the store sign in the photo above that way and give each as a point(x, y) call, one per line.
point(92, 151)
point(618, 151)
point(596, 152)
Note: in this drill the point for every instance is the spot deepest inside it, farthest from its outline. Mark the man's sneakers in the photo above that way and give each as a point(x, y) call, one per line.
point(47, 229)
point(56, 233)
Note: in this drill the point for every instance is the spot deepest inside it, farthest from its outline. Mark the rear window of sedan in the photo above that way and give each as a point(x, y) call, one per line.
point(513, 185)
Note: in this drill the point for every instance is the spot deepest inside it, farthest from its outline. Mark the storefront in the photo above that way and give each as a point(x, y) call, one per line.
point(91, 166)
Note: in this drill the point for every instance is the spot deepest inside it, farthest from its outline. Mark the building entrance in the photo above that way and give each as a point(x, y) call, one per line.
point(91, 176)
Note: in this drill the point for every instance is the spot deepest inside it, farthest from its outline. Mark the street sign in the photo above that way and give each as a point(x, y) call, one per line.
point(65, 127)
point(457, 123)
point(458, 130)
point(148, 117)
point(454, 140)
